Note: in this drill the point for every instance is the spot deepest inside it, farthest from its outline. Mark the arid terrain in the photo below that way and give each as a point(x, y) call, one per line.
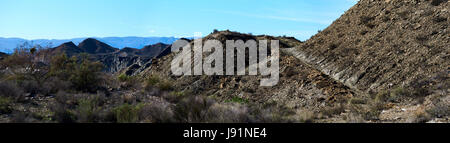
point(383, 61)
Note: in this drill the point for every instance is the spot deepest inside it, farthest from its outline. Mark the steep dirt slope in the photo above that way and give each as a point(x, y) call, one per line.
point(382, 44)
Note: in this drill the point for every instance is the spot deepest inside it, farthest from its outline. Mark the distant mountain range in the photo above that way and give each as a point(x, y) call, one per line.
point(7, 45)
point(129, 60)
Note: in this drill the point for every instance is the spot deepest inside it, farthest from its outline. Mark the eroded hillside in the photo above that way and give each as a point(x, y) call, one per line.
point(382, 44)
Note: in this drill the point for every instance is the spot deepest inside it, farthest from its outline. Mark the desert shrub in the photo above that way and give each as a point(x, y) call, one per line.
point(126, 113)
point(381, 96)
point(157, 113)
point(439, 110)
point(5, 103)
point(304, 116)
point(19, 59)
point(420, 116)
point(154, 81)
point(174, 96)
point(357, 101)
point(439, 107)
point(84, 108)
point(236, 99)
point(192, 109)
point(11, 90)
point(227, 113)
point(25, 64)
point(86, 76)
point(165, 85)
point(62, 106)
point(129, 98)
point(30, 86)
point(397, 93)
point(62, 66)
point(54, 85)
point(83, 74)
point(62, 114)
point(374, 109)
point(370, 112)
point(333, 110)
point(354, 118)
point(65, 99)
point(124, 78)
point(25, 117)
point(271, 113)
point(87, 110)
point(437, 2)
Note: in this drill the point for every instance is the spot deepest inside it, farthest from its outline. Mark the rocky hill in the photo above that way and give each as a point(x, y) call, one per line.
point(147, 51)
point(93, 46)
point(69, 48)
point(301, 87)
point(394, 51)
point(382, 61)
point(382, 44)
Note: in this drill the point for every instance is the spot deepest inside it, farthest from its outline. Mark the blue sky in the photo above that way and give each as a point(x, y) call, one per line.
point(63, 19)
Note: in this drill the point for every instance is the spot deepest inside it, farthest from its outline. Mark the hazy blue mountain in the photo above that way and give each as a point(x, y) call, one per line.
point(7, 45)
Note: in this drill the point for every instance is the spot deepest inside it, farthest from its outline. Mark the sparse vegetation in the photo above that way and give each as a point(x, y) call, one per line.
point(126, 113)
point(378, 63)
point(437, 2)
point(5, 105)
point(334, 110)
point(236, 99)
point(154, 81)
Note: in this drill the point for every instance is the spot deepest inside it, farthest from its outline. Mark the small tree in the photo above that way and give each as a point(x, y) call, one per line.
point(86, 76)
point(23, 64)
point(83, 74)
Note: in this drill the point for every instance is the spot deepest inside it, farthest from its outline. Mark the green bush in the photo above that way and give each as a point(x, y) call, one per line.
point(11, 90)
point(5, 105)
point(83, 74)
point(126, 113)
point(165, 85)
point(193, 109)
point(124, 78)
point(86, 76)
point(87, 110)
point(154, 81)
point(62, 114)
